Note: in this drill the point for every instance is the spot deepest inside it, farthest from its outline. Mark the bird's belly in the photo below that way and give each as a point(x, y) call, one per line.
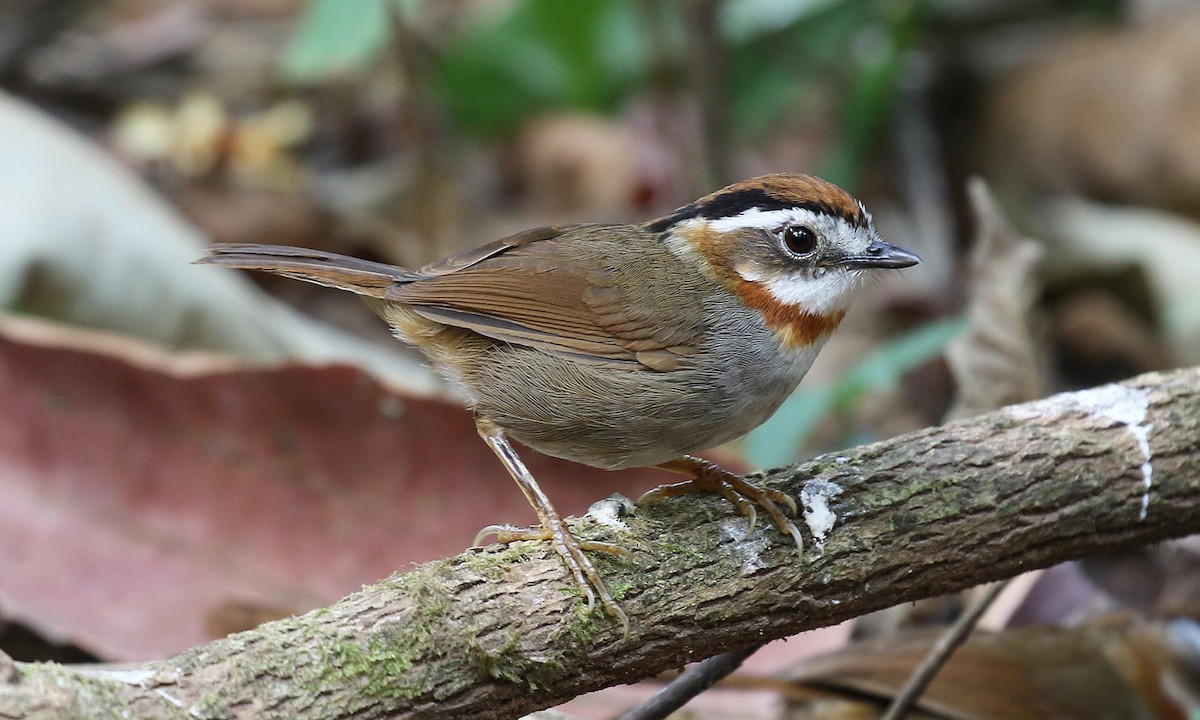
point(618, 419)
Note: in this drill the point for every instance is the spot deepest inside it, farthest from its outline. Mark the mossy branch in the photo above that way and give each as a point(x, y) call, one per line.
point(495, 633)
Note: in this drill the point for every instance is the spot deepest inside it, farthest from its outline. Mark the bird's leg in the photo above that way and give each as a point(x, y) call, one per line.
point(710, 477)
point(553, 528)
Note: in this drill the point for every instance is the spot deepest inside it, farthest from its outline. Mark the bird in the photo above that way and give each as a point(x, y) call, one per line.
point(626, 345)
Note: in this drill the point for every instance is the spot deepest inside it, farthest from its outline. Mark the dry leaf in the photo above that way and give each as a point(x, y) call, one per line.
point(146, 496)
point(1114, 669)
point(994, 363)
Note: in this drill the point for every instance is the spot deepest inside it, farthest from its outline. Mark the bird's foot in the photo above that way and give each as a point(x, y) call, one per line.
point(572, 551)
point(710, 477)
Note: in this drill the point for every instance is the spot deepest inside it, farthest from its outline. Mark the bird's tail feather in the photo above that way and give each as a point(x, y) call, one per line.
point(362, 277)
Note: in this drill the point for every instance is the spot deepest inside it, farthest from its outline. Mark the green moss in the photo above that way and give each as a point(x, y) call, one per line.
point(378, 667)
point(91, 694)
point(496, 659)
point(430, 598)
point(584, 626)
point(495, 565)
point(618, 586)
point(209, 707)
point(382, 666)
point(507, 663)
point(810, 470)
point(679, 549)
point(394, 663)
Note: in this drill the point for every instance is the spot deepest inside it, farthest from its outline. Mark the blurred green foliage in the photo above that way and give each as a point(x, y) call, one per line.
point(543, 54)
point(785, 52)
point(334, 37)
point(596, 54)
point(781, 439)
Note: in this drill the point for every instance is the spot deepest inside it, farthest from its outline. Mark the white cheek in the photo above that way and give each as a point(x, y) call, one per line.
point(822, 295)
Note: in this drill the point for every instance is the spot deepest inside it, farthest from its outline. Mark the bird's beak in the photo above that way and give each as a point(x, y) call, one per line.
point(882, 255)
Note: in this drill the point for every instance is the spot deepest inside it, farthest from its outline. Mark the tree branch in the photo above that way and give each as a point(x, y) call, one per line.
point(495, 632)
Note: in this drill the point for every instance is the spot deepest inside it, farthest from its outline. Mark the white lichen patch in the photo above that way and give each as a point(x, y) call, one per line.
point(138, 677)
point(609, 511)
point(815, 497)
point(1115, 403)
point(747, 546)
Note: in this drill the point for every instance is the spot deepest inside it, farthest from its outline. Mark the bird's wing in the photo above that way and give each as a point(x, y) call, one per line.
point(553, 289)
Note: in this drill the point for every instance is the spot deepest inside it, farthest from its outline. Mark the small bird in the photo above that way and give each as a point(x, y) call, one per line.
point(622, 346)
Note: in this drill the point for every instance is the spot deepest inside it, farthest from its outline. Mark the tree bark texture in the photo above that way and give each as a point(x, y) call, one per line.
point(497, 632)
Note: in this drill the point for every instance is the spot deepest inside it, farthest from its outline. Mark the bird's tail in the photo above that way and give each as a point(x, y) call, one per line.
point(362, 277)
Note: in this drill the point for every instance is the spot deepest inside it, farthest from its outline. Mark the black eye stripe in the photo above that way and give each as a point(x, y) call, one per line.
point(734, 203)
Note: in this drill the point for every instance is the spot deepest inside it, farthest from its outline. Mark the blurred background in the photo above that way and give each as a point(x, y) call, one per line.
point(186, 452)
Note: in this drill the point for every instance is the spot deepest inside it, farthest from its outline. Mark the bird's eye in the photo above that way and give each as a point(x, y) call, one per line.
point(798, 239)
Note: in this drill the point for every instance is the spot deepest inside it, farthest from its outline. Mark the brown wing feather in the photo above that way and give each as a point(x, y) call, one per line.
point(466, 259)
point(556, 294)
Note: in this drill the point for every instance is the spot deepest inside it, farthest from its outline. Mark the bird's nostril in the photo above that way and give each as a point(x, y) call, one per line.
point(874, 250)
